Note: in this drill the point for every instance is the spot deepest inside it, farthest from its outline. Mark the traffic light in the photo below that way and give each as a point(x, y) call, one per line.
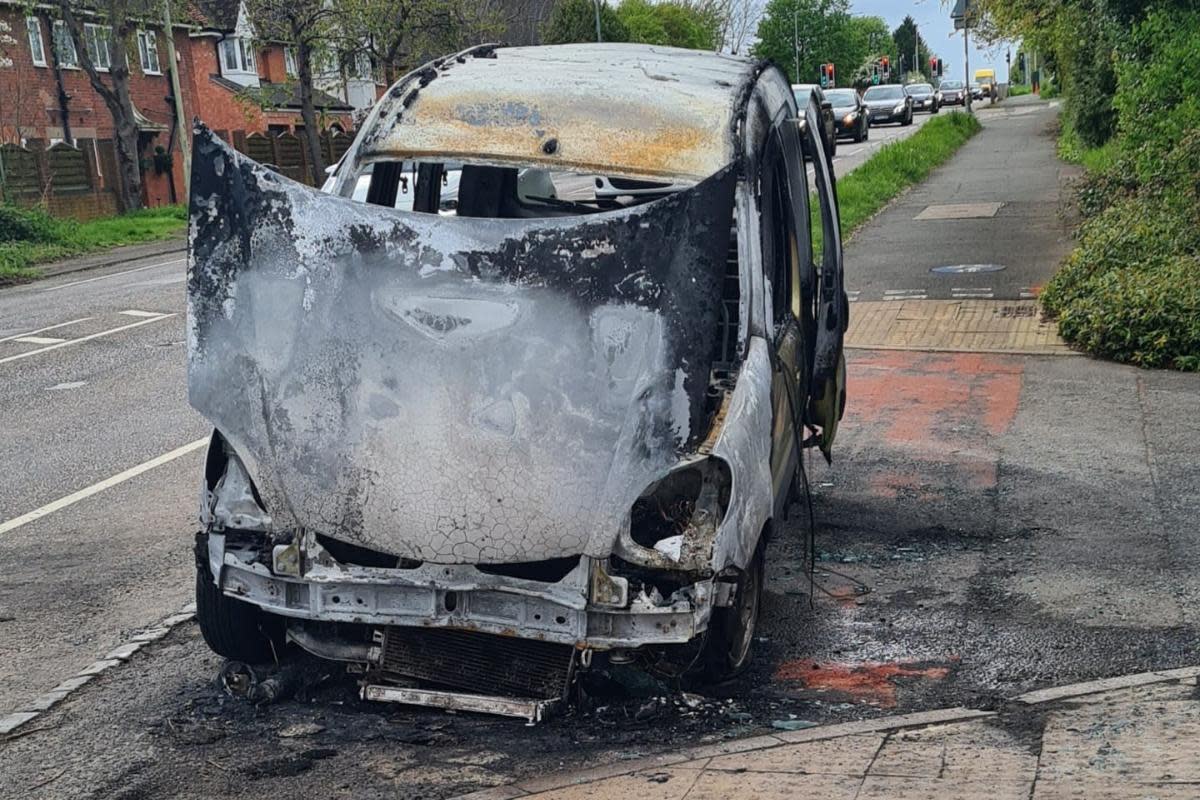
point(874, 74)
point(828, 76)
point(887, 67)
point(1021, 62)
point(940, 67)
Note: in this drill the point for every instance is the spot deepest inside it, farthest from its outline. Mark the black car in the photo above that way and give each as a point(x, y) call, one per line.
point(804, 93)
point(889, 103)
point(924, 97)
point(954, 93)
point(850, 115)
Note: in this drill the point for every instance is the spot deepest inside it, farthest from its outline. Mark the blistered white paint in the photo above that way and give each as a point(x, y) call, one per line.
point(745, 443)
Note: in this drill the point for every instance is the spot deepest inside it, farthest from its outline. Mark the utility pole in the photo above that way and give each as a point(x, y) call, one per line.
point(596, 4)
point(916, 47)
point(182, 125)
point(967, 61)
point(796, 41)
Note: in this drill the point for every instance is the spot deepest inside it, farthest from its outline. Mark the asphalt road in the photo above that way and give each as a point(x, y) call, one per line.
point(991, 524)
point(78, 411)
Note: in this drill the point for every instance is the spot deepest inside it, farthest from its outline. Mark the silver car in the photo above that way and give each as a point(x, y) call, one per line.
point(475, 449)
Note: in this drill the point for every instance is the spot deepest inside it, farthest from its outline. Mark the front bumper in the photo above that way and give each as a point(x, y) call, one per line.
point(887, 116)
point(462, 597)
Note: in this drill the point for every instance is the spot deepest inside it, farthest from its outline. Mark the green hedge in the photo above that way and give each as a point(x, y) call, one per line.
point(1131, 289)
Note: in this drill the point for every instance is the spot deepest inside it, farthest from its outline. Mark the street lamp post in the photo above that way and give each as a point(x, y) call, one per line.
point(596, 4)
point(796, 41)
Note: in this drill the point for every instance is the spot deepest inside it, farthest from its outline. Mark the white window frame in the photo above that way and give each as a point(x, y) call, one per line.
point(95, 37)
point(37, 46)
point(241, 50)
point(290, 65)
point(148, 46)
point(249, 63)
point(62, 40)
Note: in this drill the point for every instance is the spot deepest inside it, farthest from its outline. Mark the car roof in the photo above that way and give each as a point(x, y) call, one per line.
point(604, 107)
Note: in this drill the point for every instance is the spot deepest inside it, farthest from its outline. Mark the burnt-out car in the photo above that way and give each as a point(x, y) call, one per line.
point(476, 447)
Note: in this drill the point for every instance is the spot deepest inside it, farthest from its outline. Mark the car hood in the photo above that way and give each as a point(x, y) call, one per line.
point(881, 103)
point(452, 390)
point(841, 111)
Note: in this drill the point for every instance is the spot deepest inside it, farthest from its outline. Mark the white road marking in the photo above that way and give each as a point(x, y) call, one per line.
point(58, 387)
point(114, 274)
point(96, 488)
point(980, 293)
point(913, 296)
point(38, 340)
point(43, 330)
point(81, 339)
point(904, 291)
point(133, 312)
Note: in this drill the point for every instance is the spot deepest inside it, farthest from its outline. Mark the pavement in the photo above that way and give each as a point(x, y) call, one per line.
point(995, 523)
point(1137, 736)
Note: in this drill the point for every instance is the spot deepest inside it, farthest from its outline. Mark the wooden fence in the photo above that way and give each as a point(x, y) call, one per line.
point(65, 178)
point(288, 153)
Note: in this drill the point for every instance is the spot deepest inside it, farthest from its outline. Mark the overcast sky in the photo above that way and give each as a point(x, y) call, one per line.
point(933, 21)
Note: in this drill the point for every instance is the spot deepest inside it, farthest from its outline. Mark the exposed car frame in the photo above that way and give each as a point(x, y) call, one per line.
point(311, 316)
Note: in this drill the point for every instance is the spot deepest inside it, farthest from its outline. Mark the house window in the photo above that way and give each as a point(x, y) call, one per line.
point(247, 48)
point(96, 37)
point(289, 62)
point(237, 55)
point(34, 29)
point(148, 52)
point(64, 46)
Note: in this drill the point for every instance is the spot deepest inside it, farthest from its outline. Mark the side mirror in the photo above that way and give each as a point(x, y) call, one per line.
point(802, 129)
point(826, 105)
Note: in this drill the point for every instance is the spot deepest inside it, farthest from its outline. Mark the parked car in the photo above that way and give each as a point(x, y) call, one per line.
point(976, 90)
point(954, 93)
point(476, 451)
point(808, 93)
point(924, 97)
point(889, 103)
point(850, 115)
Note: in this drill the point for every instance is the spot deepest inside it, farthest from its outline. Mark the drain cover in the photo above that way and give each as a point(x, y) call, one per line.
point(965, 269)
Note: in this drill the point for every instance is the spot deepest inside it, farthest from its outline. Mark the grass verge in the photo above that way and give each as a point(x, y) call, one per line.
point(896, 167)
point(29, 237)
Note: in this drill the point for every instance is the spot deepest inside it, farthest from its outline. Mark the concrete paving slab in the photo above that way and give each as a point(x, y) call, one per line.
point(850, 755)
point(771, 786)
point(891, 788)
point(956, 325)
point(661, 784)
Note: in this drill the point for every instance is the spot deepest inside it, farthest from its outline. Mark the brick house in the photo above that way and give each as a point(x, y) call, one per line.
point(45, 98)
point(242, 84)
point(231, 81)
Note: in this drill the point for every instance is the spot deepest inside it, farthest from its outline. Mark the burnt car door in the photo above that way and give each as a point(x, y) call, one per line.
point(826, 311)
point(788, 270)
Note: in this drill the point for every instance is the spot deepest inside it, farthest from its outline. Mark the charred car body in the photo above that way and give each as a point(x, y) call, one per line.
point(473, 451)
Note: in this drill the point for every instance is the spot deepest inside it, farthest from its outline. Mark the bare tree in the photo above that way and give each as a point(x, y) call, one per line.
point(736, 20)
point(103, 52)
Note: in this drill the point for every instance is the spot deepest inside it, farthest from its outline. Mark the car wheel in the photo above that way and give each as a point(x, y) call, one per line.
point(860, 134)
point(233, 628)
point(728, 644)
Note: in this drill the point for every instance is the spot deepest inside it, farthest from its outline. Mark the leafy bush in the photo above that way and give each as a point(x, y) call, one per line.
point(26, 225)
point(1158, 94)
point(1131, 290)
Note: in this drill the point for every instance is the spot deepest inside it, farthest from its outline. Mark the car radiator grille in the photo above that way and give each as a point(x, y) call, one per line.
point(477, 662)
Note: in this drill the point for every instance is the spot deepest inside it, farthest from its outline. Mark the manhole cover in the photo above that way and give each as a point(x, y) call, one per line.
point(967, 269)
point(959, 211)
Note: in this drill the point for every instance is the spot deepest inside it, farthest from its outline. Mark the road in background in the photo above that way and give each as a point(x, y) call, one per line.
point(92, 384)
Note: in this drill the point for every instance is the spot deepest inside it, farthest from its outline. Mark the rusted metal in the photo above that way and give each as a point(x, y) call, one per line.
point(616, 109)
point(532, 711)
